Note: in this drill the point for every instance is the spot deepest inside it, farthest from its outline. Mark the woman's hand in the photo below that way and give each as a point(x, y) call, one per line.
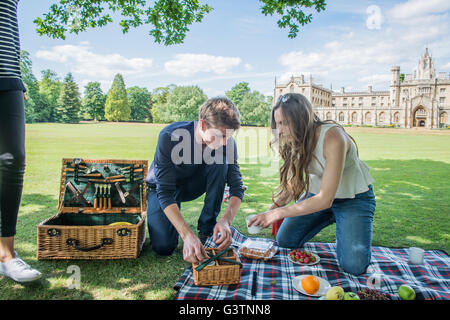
point(264, 219)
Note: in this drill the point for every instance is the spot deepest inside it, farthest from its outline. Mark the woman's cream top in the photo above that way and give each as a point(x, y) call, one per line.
point(355, 178)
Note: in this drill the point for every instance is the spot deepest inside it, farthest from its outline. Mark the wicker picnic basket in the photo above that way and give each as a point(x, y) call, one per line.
point(221, 273)
point(101, 211)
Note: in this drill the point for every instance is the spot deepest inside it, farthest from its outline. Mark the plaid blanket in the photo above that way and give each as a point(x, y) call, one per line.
point(389, 269)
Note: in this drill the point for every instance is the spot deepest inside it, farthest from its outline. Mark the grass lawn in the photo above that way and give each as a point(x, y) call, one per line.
point(410, 167)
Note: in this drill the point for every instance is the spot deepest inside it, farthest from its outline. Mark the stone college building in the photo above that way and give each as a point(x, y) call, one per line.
point(421, 99)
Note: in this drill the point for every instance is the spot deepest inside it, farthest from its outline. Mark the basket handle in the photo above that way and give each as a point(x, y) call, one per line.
point(75, 243)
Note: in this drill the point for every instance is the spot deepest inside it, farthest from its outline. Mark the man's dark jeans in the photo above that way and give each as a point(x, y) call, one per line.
point(211, 179)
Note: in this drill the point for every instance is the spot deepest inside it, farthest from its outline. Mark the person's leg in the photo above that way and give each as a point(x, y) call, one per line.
point(214, 177)
point(354, 219)
point(295, 231)
point(6, 249)
point(12, 167)
point(163, 235)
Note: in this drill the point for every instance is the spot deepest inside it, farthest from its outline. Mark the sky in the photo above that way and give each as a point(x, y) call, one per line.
point(352, 44)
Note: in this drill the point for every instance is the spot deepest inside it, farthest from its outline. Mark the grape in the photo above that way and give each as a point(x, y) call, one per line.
point(372, 294)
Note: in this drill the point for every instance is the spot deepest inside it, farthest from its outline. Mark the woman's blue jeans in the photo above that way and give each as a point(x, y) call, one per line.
point(353, 219)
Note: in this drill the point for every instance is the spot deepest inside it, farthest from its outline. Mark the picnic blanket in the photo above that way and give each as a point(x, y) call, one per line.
point(388, 270)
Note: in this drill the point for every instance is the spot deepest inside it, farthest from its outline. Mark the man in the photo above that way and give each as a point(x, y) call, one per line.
point(193, 158)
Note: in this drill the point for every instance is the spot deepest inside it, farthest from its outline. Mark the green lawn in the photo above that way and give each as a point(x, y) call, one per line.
point(411, 171)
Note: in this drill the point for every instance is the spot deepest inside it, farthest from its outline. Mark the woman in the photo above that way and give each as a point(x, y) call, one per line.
point(322, 170)
point(12, 144)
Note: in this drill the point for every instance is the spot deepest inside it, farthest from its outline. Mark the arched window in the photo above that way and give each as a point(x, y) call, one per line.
point(397, 117)
point(354, 117)
point(328, 116)
point(382, 117)
point(443, 118)
point(368, 117)
point(292, 88)
point(341, 117)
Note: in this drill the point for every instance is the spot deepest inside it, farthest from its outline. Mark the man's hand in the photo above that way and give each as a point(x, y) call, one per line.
point(225, 240)
point(193, 250)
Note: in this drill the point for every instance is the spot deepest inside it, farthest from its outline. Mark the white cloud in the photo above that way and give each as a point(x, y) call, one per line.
point(446, 66)
point(413, 9)
point(83, 61)
point(248, 67)
point(188, 64)
point(362, 57)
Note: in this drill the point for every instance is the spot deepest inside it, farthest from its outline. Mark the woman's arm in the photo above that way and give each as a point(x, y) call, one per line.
point(336, 145)
point(282, 200)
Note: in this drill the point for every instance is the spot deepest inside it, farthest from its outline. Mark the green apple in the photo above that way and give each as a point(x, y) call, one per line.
point(351, 296)
point(335, 293)
point(406, 292)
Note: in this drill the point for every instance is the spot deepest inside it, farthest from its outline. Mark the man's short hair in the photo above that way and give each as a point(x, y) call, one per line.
point(220, 113)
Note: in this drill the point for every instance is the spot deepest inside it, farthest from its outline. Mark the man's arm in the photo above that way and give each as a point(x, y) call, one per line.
point(193, 250)
point(234, 181)
point(224, 224)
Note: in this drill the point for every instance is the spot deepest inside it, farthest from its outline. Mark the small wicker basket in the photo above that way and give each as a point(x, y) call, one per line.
point(221, 273)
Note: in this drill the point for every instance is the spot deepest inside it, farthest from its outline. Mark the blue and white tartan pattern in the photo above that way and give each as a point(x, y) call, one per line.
point(431, 281)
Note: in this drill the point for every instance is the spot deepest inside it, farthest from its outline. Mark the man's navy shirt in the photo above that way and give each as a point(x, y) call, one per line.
point(179, 157)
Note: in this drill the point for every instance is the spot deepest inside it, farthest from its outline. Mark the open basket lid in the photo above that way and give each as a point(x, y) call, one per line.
point(102, 186)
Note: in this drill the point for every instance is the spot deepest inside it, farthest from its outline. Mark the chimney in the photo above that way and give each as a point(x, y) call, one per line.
point(342, 89)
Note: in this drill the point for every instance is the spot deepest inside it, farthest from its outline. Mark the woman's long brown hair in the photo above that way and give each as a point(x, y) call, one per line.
point(298, 152)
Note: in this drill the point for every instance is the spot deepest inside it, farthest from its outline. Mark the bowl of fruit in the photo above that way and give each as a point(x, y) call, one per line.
point(304, 257)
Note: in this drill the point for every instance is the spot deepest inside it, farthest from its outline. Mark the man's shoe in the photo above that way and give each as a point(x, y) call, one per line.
point(19, 271)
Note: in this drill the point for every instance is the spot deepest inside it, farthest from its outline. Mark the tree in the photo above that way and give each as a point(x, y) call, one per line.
point(158, 99)
point(117, 107)
point(253, 106)
point(182, 104)
point(291, 12)
point(69, 102)
point(31, 85)
point(170, 18)
point(255, 110)
point(50, 90)
point(237, 93)
point(139, 99)
point(93, 105)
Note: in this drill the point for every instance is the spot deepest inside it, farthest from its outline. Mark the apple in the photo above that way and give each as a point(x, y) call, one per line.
point(351, 296)
point(406, 292)
point(335, 293)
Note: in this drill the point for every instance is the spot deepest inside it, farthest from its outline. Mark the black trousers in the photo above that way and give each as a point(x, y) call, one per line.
point(12, 159)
